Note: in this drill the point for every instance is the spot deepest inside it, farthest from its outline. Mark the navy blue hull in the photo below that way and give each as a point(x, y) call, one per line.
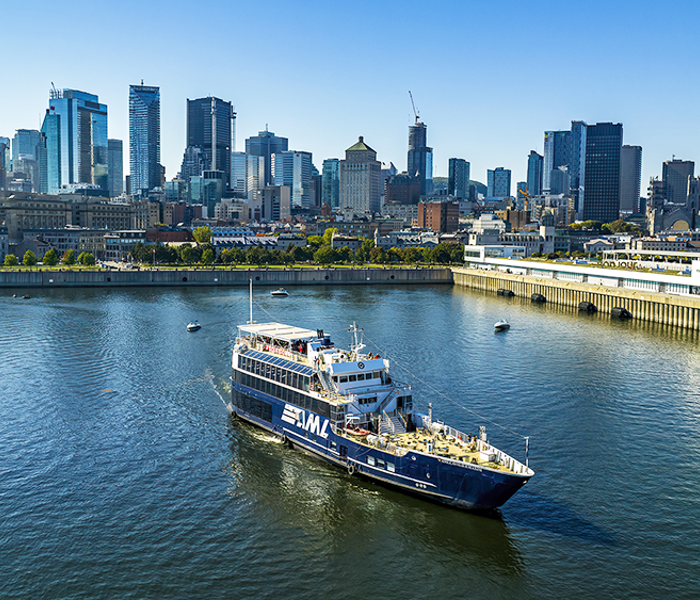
point(448, 481)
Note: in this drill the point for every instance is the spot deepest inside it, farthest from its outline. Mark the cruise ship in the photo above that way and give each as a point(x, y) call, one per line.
point(343, 406)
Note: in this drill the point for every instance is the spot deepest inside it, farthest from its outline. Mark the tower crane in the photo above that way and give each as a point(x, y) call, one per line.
point(415, 112)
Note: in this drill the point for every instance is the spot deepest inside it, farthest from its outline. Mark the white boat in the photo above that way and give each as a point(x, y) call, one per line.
point(193, 326)
point(501, 325)
point(279, 292)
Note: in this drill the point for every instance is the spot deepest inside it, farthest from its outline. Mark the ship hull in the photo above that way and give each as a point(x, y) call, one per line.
point(451, 482)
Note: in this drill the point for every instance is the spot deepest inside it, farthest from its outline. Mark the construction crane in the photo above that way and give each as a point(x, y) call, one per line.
point(415, 112)
point(527, 199)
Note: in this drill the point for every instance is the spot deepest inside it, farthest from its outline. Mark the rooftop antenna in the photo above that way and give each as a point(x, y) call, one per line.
point(142, 82)
point(251, 303)
point(415, 112)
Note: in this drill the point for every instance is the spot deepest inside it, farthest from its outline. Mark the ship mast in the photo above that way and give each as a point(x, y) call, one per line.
point(356, 344)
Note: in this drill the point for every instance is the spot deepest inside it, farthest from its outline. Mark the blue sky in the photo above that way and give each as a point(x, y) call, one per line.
point(488, 78)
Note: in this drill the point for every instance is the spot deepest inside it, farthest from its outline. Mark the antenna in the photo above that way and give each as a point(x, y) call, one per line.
point(251, 303)
point(415, 112)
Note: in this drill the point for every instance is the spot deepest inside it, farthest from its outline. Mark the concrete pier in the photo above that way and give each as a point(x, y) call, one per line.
point(653, 307)
point(222, 277)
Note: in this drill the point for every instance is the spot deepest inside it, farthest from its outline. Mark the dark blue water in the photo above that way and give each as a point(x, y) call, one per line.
point(122, 475)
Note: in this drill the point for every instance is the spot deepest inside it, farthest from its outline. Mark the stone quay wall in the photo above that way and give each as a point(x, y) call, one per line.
point(222, 277)
point(667, 309)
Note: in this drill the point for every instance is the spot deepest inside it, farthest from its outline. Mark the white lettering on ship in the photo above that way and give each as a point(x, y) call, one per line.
point(308, 421)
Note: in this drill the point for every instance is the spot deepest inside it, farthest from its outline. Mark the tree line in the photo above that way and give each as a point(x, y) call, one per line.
point(318, 250)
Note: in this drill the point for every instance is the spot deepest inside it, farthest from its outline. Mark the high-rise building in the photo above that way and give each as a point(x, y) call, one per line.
point(116, 167)
point(255, 173)
point(144, 139)
point(498, 182)
point(266, 144)
point(82, 138)
point(630, 178)
point(559, 181)
point(51, 172)
point(535, 167)
point(458, 178)
point(330, 182)
point(238, 173)
point(557, 153)
point(27, 146)
point(4, 159)
point(401, 189)
point(577, 166)
point(675, 175)
point(600, 200)
point(210, 128)
point(293, 169)
point(420, 157)
point(360, 177)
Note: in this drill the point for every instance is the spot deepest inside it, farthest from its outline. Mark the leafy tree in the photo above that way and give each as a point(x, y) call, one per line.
point(232, 256)
point(315, 241)
point(11, 260)
point(87, 259)
point(410, 255)
point(362, 254)
point(202, 235)
point(50, 258)
point(29, 259)
point(325, 255)
point(536, 255)
point(68, 257)
point(328, 235)
point(441, 254)
point(344, 254)
point(377, 255)
point(208, 256)
point(186, 253)
point(256, 256)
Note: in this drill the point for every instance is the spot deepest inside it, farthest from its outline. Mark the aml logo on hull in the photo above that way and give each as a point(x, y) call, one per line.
point(308, 421)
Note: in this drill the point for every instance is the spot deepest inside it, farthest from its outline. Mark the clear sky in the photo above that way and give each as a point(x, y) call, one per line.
point(488, 78)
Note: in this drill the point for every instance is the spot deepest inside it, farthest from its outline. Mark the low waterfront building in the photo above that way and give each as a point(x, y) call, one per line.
point(685, 284)
point(120, 244)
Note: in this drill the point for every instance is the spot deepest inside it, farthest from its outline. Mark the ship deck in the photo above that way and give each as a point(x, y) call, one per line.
point(443, 446)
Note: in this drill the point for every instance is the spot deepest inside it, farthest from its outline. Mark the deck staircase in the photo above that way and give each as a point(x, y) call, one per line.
point(392, 424)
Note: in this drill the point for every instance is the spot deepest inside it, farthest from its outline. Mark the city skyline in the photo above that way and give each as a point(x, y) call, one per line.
point(365, 92)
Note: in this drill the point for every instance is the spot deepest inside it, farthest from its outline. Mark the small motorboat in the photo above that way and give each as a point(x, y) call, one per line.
point(193, 326)
point(501, 325)
point(279, 292)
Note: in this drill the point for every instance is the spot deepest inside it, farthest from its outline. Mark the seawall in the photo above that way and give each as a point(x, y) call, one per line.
point(667, 309)
point(222, 277)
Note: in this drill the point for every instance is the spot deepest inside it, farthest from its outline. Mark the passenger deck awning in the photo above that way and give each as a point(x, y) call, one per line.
point(278, 331)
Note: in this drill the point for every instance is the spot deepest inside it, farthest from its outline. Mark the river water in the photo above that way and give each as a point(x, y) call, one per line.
point(122, 475)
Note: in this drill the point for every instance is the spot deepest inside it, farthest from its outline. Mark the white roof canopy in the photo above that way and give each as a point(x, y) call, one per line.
point(278, 331)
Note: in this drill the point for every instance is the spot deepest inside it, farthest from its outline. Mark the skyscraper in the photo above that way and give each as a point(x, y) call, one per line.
point(458, 178)
point(330, 182)
point(82, 124)
point(210, 127)
point(557, 153)
point(293, 169)
point(498, 182)
point(360, 177)
point(266, 144)
point(238, 173)
point(675, 175)
point(27, 145)
point(420, 157)
point(116, 167)
point(51, 172)
point(535, 165)
point(144, 139)
point(600, 200)
point(4, 151)
point(630, 178)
